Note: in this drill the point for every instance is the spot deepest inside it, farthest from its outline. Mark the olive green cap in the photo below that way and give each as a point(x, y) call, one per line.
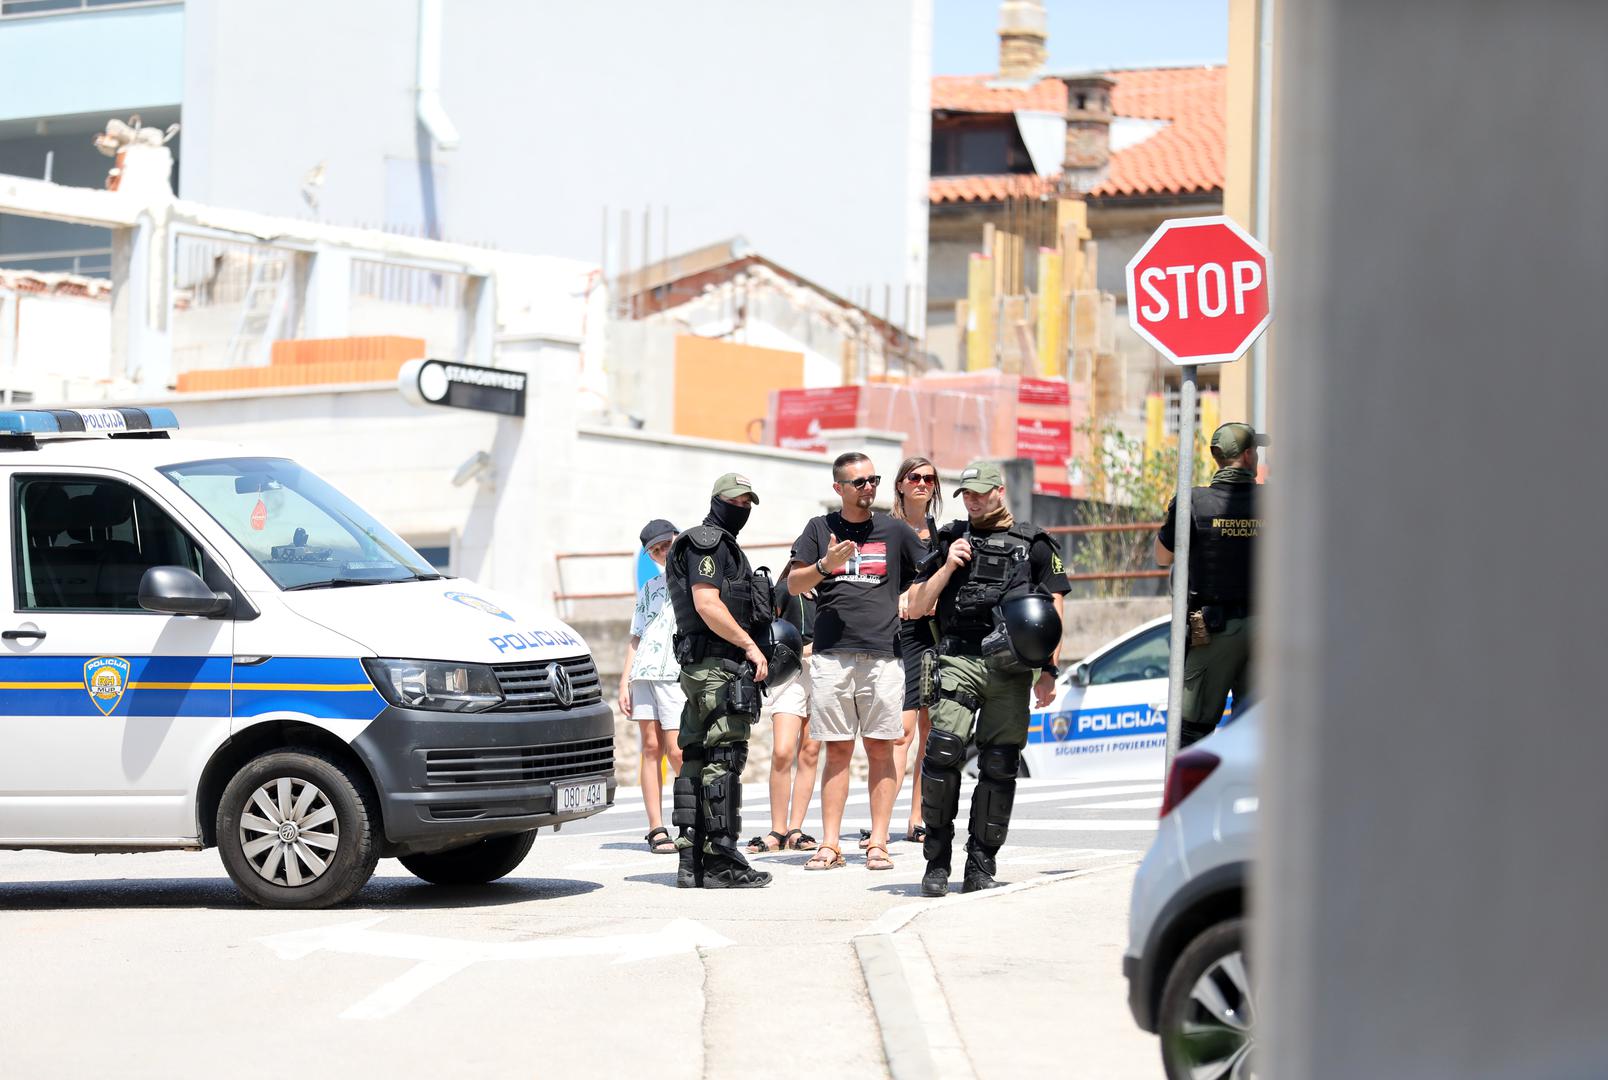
point(731, 485)
point(981, 477)
point(1232, 440)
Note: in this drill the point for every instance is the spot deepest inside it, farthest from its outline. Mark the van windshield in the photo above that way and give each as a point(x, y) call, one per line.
point(301, 531)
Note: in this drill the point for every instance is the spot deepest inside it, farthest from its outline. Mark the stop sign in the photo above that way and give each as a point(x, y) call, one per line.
point(1200, 290)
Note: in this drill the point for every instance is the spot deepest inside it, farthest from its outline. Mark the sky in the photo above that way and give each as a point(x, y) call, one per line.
point(1086, 35)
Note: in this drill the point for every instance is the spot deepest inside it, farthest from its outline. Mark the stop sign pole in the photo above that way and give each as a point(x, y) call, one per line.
point(1200, 291)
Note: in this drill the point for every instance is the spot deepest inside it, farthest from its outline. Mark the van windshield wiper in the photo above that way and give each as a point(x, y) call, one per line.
point(342, 582)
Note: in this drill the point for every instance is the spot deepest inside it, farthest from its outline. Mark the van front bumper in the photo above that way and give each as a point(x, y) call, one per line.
point(446, 779)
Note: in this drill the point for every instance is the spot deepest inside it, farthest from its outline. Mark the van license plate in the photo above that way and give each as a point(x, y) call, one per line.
point(569, 797)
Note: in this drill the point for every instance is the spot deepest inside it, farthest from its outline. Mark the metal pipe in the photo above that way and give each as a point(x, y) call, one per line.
point(432, 114)
point(1264, 192)
point(1180, 571)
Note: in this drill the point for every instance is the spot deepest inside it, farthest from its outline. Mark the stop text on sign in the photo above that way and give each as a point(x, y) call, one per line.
point(1211, 289)
point(1200, 290)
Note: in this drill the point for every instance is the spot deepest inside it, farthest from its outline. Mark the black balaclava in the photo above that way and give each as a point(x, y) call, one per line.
point(726, 516)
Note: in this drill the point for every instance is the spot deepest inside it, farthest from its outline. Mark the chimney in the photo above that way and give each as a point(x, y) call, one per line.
point(1023, 30)
point(1088, 132)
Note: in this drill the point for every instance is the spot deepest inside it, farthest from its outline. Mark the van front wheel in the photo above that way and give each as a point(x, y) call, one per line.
point(473, 864)
point(296, 829)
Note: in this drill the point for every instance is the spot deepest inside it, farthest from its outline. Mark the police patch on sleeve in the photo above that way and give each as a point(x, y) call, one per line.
point(1056, 565)
point(706, 567)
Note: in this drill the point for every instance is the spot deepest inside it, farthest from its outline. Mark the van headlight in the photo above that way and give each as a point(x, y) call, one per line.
point(435, 684)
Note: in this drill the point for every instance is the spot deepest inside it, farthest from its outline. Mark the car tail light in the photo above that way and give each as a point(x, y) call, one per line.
point(1188, 770)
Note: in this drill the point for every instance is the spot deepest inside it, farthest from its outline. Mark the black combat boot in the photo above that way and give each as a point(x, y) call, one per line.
point(726, 868)
point(979, 870)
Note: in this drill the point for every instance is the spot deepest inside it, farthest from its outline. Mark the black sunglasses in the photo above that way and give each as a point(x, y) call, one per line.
point(862, 481)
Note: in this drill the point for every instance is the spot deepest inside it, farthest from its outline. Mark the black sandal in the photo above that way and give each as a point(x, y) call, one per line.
point(916, 835)
point(799, 840)
point(757, 845)
point(658, 847)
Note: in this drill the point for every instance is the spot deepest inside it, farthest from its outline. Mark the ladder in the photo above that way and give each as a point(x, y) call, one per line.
point(261, 309)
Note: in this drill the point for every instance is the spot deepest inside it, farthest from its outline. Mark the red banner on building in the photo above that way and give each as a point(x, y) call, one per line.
point(1048, 442)
point(1044, 392)
point(801, 415)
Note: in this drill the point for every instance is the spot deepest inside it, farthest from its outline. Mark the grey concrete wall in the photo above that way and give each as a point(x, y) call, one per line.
point(1431, 885)
point(802, 127)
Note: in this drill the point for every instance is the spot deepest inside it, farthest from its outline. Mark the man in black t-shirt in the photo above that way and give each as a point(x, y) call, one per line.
point(858, 563)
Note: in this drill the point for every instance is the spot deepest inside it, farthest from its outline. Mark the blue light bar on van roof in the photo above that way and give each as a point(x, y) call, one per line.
point(85, 421)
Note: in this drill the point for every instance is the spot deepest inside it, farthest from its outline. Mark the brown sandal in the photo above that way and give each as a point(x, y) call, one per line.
point(826, 857)
point(874, 861)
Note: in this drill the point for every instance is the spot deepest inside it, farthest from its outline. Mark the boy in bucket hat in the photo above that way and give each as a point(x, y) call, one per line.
point(650, 689)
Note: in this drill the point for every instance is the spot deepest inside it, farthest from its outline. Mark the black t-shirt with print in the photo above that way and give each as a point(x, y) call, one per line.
point(858, 606)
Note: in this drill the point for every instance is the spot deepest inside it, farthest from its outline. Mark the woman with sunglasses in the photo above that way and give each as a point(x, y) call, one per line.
point(917, 502)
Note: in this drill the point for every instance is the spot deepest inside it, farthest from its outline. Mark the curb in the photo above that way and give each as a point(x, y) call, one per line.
point(920, 1038)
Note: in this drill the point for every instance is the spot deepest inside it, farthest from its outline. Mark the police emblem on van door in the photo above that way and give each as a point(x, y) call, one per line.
point(479, 605)
point(105, 679)
point(559, 680)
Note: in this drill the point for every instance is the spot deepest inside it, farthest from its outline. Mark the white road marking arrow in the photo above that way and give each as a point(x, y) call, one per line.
point(441, 958)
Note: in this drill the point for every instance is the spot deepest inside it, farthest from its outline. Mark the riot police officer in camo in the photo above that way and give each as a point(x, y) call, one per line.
point(998, 584)
point(723, 615)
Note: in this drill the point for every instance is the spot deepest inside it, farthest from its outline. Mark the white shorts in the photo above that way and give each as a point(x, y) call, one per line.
point(790, 697)
point(661, 701)
point(856, 694)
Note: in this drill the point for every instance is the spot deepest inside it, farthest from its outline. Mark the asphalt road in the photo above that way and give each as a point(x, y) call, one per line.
point(586, 960)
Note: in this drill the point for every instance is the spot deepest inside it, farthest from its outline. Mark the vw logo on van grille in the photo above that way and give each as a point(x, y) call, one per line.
point(559, 680)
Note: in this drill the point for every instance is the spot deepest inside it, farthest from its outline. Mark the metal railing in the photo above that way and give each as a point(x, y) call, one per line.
point(34, 8)
point(560, 597)
point(81, 262)
point(1109, 575)
point(29, 9)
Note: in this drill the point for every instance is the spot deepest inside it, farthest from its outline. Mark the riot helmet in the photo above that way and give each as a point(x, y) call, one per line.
point(784, 652)
point(1033, 628)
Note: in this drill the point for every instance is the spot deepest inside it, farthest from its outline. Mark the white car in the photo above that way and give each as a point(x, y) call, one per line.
point(1189, 981)
point(1109, 715)
point(203, 647)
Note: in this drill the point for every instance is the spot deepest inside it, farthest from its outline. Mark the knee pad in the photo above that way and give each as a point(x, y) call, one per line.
point(723, 795)
point(940, 781)
point(945, 750)
point(994, 797)
point(999, 762)
point(684, 805)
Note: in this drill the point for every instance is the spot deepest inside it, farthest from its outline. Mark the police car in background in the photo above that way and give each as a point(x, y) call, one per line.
point(203, 647)
point(1109, 714)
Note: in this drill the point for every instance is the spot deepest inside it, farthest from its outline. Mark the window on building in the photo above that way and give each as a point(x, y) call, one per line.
point(977, 149)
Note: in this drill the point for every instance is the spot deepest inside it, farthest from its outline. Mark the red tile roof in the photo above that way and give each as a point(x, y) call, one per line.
point(1187, 156)
point(963, 189)
point(971, 93)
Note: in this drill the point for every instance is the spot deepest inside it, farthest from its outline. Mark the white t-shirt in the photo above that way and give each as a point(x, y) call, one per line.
point(654, 623)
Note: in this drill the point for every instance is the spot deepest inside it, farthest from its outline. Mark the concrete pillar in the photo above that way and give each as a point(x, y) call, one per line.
point(327, 301)
point(502, 546)
point(1430, 889)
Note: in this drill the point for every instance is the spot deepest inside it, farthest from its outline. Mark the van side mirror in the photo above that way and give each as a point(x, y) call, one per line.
point(174, 590)
point(1080, 675)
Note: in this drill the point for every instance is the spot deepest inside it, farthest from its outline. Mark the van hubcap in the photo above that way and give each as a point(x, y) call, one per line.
point(289, 832)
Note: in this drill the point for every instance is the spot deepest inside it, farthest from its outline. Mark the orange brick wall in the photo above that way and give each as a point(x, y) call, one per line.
point(313, 362)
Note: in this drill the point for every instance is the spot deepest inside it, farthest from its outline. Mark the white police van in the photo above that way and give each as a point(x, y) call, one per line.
point(1108, 718)
point(200, 646)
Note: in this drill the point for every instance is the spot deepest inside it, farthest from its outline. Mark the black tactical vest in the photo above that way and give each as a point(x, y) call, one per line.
point(999, 565)
point(1223, 544)
point(747, 595)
